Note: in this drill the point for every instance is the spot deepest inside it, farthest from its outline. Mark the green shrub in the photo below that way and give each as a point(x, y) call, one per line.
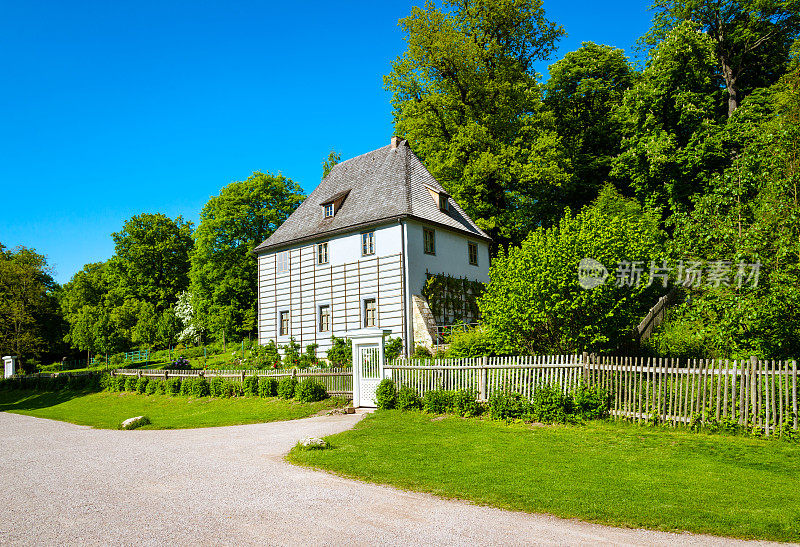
point(393, 348)
point(469, 343)
point(592, 402)
point(421, 352)
point(267, 387)
point(141, 384)
point(508, 406)
point(161, 387)
point(200, 387)
point(407, 399)
point(173, 386)
point(187, 384)
point(107, 382)
point(550, 405)
point(309, 358)
point(310, 391)
point(291, 354)
point(386, 394)
point(118, 383)
point(250, 386)
point(465, 403)
point(340, 353)
point(215, 387)
point(437, 401)
point(130, 383)
point(287, 387)
point(152, 386)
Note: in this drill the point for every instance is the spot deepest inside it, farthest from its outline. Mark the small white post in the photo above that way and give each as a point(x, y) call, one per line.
point(9, 365)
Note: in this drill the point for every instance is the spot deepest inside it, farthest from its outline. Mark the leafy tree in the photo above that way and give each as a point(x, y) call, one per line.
point(533, 302)
point(671, 121)
point(340, 354)
point(223, 269)
point(584, 89)
point(28, 304)
point(330, 162)
point(467, 98)
point(751, 38)
point(151, 260)
point(751, 214)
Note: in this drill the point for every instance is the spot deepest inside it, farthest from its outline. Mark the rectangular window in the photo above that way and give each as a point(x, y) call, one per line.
point(472, 250)
point(284, 323)
point(324, 318)
point(282, 259)
point(322, 253)
point(328, 210)
point(430, 241)
point(368, 243)
point(370, 312)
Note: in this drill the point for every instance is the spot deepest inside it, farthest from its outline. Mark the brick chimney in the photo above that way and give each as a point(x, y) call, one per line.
point(396, 142)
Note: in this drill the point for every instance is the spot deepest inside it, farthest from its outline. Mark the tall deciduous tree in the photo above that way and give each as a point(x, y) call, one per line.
point(224, 271)
point(671, 120)
point(329, 163)
point(751, 37)
point(151, 260)
point(534, 303)
point(584, 89)
point(28, 305)
point(467, 98)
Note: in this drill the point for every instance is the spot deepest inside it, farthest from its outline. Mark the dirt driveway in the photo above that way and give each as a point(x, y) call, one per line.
point(67, 484)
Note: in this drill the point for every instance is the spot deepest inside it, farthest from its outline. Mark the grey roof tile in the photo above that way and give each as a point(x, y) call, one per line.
point(384, 184)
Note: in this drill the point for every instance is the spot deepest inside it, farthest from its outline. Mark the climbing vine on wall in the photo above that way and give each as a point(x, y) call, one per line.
point(452, 299)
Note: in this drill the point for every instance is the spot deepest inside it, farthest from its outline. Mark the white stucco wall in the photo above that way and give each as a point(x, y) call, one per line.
point(451, 256)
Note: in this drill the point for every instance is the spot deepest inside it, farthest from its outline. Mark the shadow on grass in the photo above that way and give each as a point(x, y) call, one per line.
point(33, 400)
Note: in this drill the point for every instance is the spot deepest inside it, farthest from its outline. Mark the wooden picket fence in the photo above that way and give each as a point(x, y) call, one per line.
point(751, 393)
point(337, 381)
point(486, 375)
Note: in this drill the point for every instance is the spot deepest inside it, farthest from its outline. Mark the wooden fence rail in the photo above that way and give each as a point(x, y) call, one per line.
point(337, 381)
point(752, 393)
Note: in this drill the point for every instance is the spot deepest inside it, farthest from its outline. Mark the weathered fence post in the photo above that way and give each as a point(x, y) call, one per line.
point(753, 362)
point(483, 381)
point(585, 363)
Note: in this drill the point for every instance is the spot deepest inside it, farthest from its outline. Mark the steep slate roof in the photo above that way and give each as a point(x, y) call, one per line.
point(383, 185)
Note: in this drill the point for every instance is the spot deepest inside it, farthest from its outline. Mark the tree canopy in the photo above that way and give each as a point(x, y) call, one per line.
point(224, 271)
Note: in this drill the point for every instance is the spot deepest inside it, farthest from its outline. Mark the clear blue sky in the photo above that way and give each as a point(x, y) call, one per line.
point(110, 109)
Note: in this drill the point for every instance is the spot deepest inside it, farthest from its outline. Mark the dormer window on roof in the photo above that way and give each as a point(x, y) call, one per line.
point(331, 205)
point(441, 198)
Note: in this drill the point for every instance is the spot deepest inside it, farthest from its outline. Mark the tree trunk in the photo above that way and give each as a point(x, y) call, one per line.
point(730, 85)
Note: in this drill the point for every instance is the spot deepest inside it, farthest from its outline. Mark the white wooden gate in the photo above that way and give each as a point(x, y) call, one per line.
point(368, 364)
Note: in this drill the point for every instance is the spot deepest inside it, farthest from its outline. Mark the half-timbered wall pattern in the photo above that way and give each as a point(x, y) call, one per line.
point(344, 287)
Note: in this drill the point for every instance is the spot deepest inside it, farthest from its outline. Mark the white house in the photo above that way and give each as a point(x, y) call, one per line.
point(357, 253)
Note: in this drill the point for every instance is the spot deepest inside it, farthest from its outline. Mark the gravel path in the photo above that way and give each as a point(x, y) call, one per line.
point(67, 484)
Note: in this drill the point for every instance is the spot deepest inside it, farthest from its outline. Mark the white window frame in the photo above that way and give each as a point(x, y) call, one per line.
point(470, 246)
point(432, 232)
point(322, 253)
point(282, 262)
point(288, 330)
point(368, 243)
point(329, 210)
point(320, 325)
point(364, 307)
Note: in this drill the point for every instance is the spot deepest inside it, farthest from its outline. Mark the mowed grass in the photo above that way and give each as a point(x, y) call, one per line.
point(611, 473)
point(105, 410)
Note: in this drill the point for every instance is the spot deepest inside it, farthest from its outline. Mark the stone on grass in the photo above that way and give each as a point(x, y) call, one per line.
point(311, 443)
point(133, 423)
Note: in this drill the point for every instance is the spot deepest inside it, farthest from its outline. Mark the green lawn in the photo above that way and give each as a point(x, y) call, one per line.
point(106, 410)
point(612, 473)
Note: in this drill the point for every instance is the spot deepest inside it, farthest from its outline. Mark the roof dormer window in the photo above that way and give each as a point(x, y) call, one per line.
point(441, 198)
point(331, 205)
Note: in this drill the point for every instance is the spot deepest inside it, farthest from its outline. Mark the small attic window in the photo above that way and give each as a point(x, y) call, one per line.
point(331, 205)
point(441, 198)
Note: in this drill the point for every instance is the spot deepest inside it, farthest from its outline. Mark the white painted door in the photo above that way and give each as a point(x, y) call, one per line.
point(369, 370)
